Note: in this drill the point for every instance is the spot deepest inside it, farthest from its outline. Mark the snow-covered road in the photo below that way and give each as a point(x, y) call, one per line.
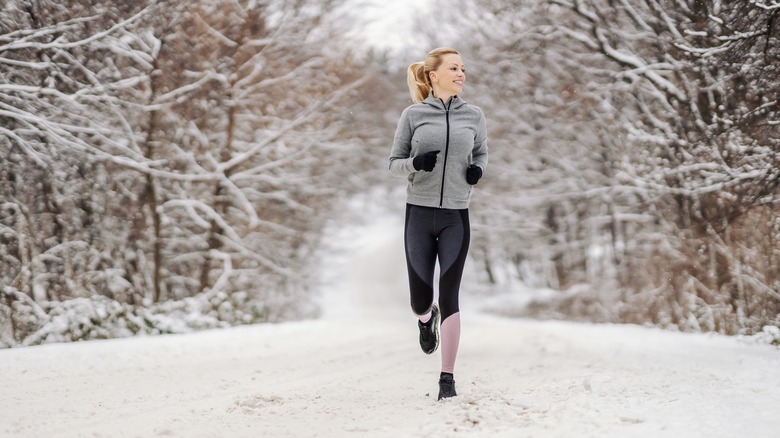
point(359, 372)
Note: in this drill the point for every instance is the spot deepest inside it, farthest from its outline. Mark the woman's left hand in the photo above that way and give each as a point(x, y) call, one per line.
point(473, 174)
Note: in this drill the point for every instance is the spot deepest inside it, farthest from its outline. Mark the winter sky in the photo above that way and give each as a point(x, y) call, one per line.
point(389, 24)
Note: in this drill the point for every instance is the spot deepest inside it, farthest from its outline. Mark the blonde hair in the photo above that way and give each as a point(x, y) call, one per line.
point(417, 75)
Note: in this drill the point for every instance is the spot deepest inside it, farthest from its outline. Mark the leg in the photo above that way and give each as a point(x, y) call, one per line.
point(454, 239)
point(421, 247)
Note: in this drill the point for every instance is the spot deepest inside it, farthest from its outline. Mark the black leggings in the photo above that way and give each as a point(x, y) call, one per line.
point(430, 232)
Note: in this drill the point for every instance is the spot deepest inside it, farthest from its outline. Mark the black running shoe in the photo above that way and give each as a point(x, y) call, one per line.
point(446, 386)
point(429, 332)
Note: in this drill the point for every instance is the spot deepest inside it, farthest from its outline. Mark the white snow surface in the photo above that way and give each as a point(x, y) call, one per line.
point(359, 371)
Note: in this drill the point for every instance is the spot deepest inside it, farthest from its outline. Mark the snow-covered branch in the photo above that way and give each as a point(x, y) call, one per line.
point(637, 65)
point(770, 5)
point(161, 100)
point(301, 118)
point(27, 43)
point(219, 35)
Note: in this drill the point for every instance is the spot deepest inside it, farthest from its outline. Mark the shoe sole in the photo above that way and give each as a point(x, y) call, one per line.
point(436, 324)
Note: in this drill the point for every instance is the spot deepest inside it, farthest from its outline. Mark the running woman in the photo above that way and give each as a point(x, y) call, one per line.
point(440, 146)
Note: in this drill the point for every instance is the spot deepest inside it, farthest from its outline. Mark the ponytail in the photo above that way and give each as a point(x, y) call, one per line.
point(417, 77)
point(419, 83)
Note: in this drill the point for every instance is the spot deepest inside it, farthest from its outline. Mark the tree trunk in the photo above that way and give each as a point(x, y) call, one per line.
point(151, 196)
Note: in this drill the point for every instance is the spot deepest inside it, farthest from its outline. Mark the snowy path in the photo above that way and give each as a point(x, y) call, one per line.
point(358, 372)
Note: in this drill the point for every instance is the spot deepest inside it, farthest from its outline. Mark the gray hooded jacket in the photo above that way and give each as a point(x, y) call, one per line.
point(459, 132)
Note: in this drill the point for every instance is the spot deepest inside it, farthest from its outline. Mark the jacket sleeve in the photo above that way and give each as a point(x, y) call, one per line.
point(480, 151)
point(400, 155)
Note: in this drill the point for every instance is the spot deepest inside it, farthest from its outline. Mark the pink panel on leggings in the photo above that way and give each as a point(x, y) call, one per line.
point(450, 336)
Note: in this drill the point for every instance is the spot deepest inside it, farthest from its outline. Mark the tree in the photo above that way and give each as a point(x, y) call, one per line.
point(56, 109)
point(632, 149)
point(704, 92)
point(160, 151)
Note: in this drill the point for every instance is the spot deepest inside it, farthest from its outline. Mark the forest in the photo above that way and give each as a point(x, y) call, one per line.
point(171, 166)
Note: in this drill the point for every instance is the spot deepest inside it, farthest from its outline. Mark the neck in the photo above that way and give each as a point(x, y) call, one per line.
point(445, 97)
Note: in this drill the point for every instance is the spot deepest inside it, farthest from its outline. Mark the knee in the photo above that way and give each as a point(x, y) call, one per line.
point(421, 306)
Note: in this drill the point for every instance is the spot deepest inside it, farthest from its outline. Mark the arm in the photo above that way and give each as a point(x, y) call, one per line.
point(400, 156)
point(480, 151)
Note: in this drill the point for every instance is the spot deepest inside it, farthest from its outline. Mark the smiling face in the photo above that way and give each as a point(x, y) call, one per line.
point(449, 78)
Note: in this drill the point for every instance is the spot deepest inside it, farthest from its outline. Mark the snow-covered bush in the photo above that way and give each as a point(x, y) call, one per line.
point(99, 317)
point(769, 334)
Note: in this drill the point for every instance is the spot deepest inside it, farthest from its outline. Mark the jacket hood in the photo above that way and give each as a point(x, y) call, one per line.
point(436, 102)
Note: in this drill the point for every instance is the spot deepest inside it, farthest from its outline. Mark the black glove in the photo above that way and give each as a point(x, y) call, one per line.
point(473, 174)
point(425, 161)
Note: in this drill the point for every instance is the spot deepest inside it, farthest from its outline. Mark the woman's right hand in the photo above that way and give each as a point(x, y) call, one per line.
point(425, 162)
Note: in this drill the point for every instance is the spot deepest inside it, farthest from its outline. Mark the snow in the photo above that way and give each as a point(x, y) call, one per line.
point(358, 371)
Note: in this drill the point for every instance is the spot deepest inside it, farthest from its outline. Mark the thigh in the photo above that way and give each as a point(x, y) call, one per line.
point(454, 238)
point(420, 241)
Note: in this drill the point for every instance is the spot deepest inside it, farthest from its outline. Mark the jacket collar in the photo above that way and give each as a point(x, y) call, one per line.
point(436, 102)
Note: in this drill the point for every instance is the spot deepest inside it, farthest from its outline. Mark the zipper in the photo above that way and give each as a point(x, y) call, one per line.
point(446, 149)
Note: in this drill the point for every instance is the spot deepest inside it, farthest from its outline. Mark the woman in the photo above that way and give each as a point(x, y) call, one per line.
point(440, 145)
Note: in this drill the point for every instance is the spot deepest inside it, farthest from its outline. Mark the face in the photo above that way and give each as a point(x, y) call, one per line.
point(449, 78)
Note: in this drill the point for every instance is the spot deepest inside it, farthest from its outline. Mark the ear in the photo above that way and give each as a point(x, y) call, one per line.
point(432, 76)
